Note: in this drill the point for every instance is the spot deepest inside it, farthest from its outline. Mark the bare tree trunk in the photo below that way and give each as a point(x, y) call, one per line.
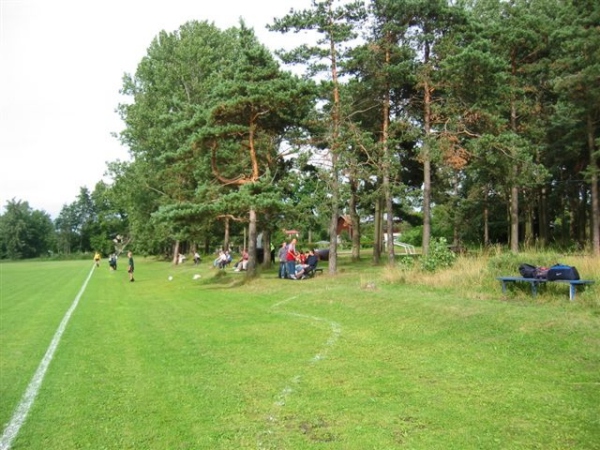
point(333, 221)
point(354, 220)
point(543, 217)
point(387, 189)
point(226, 237)
point(333, 240)
point(206, 245)
point(514, 191)
point(514, 217)
point(252, 235)
point(426, 204)
point(582, 219)
point(486, 218)
point(595, 213)
point(457, 215)
point(377, 238)
point(336, 120)
point(176, 252)
point(266, 243)
point(426, 155)
point(529, 234)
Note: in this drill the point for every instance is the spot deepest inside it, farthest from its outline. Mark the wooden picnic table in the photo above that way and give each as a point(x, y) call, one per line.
point(535, 282)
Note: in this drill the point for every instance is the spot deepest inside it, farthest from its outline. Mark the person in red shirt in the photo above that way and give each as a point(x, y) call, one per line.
point(291, 259)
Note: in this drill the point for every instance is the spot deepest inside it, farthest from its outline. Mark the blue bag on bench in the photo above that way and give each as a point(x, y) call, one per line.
point(562, 272)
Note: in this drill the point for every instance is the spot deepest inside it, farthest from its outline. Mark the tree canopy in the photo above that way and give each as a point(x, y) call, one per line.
point(476, 121)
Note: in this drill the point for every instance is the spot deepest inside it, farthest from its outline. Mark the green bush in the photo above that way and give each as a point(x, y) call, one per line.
point(439, 256)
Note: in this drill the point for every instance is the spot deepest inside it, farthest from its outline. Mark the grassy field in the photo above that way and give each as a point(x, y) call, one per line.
point(374, 358)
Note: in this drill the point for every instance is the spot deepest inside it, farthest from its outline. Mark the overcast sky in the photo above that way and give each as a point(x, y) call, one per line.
point(61, 65)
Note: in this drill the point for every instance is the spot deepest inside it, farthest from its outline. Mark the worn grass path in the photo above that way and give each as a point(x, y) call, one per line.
point(217, 363)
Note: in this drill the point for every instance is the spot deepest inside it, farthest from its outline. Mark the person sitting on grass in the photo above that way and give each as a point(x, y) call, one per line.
point(242, 264)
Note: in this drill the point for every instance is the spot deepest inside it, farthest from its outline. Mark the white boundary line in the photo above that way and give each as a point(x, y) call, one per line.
point(20, 414)
point(335, 332)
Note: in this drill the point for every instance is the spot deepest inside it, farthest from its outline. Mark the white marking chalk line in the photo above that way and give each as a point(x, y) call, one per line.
point(22, 410)
point(336, 330)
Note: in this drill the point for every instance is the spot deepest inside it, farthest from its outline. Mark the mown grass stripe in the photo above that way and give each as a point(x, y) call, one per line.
point(22, 410)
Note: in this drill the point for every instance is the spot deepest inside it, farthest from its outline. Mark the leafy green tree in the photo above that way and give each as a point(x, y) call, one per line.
point(252, 107)
point(336, 28)
point(66, 225)
point(24, 232)
point(384, 70)
point(495, 105)
point(110, 220)
point(169, 93)
point(77, 223)
point(577, 70)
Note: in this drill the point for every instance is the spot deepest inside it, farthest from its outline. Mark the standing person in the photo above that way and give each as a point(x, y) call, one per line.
point(97, 259)
point(282, 256)
point(130, 266)
point(112, 262)
point(196, 258)
point(291, 259)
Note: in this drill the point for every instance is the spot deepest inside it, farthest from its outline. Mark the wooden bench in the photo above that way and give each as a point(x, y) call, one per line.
point(535, 282)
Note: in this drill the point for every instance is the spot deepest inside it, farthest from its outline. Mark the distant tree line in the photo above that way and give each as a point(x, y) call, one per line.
point(91, 223)
point(473, 120)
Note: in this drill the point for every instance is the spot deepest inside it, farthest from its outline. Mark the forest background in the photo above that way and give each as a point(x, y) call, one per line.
point(472, 121)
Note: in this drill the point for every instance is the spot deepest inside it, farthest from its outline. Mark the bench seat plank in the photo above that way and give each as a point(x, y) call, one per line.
point(535, 282)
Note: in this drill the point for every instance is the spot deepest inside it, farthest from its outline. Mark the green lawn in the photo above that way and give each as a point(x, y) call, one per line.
point(325, 363)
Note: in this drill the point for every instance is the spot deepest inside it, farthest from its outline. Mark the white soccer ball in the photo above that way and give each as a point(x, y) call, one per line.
point(170, 278)
point(196, 276)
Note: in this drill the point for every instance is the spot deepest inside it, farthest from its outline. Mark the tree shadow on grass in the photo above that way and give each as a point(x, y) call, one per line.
point(225, 279)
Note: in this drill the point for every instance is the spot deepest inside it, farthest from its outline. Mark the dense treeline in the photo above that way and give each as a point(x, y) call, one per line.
point(475, 120)
point(93, 222)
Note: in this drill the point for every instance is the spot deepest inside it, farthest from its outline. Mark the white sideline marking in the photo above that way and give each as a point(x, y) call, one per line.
point(336, 331)
point(20, 414)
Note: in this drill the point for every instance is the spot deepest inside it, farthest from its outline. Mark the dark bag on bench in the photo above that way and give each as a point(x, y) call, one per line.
point(562, 272)
point(530, 271)
point(527, 270)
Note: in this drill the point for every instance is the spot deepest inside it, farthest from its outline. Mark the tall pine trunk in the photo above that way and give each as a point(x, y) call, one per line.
point(387, 189)
point(426, 156)
point(252, 235)
point(377, 238)
point(595, 213)
point(335, 149)
point(176, 252)
point(354, 218)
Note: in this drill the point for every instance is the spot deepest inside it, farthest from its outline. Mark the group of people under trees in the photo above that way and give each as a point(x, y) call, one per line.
point(295, 264)
point(225, 258)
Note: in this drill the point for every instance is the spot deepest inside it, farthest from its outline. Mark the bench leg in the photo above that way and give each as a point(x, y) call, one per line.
point(572, 291)
point(503, 287)
point(534, 289)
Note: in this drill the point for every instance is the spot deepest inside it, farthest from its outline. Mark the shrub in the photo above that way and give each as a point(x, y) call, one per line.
point(439, 256)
